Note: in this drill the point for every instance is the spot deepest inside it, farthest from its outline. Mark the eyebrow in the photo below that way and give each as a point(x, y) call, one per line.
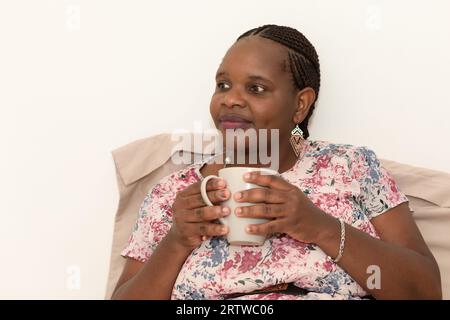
point(252, 77)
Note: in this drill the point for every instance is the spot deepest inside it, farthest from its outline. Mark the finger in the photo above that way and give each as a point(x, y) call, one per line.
point(191, 198)
point(218, 196)
point(267, 180)
point(192, 202)
point(256, 195)
point(216, 184)
point(266, 228)
point(205, 214)
point(190, 190)
point(206, 229)
point(196, 200)
point(265, 211)
point(213, 184)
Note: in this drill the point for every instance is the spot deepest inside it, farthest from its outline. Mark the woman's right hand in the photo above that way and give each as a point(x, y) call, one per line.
point(193, 220)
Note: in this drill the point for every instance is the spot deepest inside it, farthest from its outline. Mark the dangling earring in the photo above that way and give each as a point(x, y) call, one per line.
point(297, 140)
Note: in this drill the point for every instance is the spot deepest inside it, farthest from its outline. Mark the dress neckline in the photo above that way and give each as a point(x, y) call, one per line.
point(200, 164)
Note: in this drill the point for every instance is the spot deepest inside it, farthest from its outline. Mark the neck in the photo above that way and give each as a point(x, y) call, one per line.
point(287, 159)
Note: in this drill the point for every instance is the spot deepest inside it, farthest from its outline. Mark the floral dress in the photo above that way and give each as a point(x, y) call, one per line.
point(343, 180)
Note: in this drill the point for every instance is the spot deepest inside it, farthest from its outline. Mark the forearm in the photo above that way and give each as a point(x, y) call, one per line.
point(157, 277)
point(404, 273)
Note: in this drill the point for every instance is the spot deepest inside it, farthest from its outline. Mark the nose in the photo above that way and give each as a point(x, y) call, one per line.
point(233, 98)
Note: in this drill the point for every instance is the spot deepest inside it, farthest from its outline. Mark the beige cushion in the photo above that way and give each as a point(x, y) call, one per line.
point(429, 195)
point(141, 164)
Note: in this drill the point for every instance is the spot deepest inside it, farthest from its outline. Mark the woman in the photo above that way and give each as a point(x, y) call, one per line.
point(339, 227)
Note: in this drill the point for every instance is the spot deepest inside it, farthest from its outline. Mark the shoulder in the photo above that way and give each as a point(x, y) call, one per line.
point(318, 148)
point(356, 160)
point(162, 194)
point(176, 181)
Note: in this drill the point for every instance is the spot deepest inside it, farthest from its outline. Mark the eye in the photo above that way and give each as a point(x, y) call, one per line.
point(222, 85)
point(257, 88)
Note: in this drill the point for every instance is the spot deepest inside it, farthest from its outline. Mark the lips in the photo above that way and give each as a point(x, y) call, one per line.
point(233, 121)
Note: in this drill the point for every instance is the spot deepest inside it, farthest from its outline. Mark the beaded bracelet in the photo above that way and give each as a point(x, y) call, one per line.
point(342, 243)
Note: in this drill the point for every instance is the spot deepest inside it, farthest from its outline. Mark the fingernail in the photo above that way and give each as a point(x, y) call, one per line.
point(238, 211)
point(225, 211)
point(223, 194)
point(238, 195)
point(247, 176)
point(249, 229)
point(223, 230)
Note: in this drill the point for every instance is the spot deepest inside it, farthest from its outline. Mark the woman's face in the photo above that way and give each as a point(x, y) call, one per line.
point(254, 88)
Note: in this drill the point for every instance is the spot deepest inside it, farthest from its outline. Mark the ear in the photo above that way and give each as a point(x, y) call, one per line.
point(304, 99)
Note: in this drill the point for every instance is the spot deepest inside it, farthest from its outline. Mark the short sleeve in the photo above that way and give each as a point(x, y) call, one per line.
point(379, 191)
point(153, 222)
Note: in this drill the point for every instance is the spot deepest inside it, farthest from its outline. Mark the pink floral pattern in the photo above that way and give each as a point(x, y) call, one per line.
point(343, 180)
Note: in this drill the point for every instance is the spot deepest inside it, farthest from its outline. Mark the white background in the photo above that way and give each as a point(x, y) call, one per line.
point(79, 78)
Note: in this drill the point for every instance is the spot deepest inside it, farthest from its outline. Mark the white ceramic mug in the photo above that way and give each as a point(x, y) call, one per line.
point(234, 176)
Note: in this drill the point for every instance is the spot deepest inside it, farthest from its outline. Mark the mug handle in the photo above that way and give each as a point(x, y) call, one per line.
point(205, 195)
point(203, 189)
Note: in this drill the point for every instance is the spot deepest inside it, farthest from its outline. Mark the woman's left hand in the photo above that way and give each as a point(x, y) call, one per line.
point(290, 210)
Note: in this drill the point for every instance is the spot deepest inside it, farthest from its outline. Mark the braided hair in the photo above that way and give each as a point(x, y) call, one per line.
point(303, 59)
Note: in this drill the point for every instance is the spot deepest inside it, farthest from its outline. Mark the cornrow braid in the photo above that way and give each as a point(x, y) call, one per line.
point(302, 56)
